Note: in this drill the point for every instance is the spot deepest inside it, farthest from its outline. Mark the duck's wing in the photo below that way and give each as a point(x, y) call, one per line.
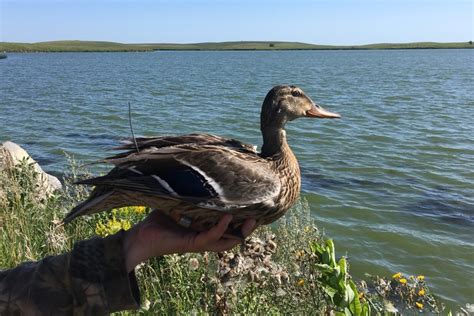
point(130, 145)
point(208, 176)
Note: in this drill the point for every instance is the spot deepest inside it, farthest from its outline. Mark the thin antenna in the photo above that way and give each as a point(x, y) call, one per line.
point(131, 127)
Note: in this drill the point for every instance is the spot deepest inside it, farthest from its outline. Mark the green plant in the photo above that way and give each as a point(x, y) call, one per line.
point(335, 280)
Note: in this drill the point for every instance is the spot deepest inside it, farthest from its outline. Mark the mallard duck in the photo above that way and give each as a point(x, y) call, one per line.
point(197, 178)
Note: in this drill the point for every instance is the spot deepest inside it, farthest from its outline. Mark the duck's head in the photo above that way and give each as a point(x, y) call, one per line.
point(286, 103)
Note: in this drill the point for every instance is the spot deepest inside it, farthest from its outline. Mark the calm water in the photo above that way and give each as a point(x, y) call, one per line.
point(392, 182)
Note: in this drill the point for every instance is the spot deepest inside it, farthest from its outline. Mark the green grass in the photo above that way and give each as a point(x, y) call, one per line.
point(289, 268)
point(71, 46)
point(94, 46)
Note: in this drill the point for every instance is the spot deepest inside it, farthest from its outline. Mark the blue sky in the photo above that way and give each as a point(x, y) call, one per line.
point(189, 21)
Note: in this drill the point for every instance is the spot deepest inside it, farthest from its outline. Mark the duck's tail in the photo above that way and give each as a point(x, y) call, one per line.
point(99, 200)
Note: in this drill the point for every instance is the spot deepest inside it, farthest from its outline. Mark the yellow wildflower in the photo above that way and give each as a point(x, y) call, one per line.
point(420, 277)
point(100, 229)
point(300, 282)
point(126, 224)
point(397, 275)
point(124, 211)
point(403, 281)
point(111, 226)
point(419, 305)
point(139, 209)
point(307, 229)
point(421, 292)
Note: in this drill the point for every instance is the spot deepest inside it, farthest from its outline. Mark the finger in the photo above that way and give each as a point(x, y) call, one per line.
point(216, 232)
point(156, 218)
point(248, 227)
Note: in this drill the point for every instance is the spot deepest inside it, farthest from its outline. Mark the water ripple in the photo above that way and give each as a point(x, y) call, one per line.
point(392, 181)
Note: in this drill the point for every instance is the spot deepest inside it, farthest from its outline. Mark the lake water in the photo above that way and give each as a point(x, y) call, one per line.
point(392, 182)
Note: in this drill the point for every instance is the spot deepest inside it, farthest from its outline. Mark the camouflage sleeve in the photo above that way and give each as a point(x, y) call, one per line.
point(91, 280)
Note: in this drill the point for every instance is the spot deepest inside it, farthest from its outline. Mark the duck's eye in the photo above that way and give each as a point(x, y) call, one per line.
point(296, 93)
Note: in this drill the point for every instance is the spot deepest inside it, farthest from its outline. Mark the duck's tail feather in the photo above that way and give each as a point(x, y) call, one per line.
point(92, 205)
point(91, 181)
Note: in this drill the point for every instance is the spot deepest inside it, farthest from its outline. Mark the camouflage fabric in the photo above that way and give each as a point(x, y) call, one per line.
point(90, 280)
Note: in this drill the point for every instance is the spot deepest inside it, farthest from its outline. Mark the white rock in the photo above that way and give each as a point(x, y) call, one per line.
point(11, 153)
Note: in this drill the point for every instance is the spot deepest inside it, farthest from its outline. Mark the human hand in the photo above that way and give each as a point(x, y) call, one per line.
point(158, 235)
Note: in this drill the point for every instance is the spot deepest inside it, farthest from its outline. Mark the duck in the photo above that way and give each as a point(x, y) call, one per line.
point(197, 178)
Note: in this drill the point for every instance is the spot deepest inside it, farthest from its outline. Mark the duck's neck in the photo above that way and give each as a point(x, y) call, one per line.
point(274, 142)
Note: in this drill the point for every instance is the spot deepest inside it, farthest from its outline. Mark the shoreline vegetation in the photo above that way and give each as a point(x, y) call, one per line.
point(290, 267)
point(101, 46)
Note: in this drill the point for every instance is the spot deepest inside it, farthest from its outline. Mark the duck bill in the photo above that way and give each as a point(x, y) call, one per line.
point(319, 112)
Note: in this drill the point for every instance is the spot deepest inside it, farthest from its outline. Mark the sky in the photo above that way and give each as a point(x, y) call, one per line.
point(332, 22)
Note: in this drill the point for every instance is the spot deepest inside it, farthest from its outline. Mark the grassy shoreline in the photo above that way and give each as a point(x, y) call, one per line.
point(288, 268)
point(96, 46)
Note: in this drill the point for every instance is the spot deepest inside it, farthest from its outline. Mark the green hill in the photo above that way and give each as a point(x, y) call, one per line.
point(94, 46)
point(71, 46)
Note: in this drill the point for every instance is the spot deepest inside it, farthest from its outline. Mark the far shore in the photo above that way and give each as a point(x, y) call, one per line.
point(95, 46)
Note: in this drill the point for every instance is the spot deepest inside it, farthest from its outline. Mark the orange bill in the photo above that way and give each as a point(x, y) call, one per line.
point(319, 112)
